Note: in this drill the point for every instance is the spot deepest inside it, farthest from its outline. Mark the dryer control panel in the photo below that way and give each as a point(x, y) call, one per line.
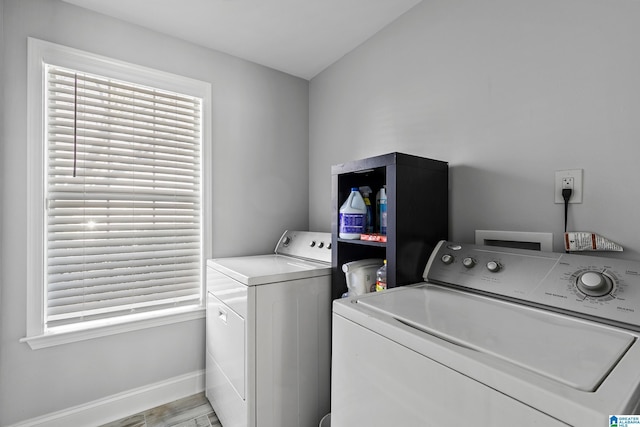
point(604, 289)
point(311, 245)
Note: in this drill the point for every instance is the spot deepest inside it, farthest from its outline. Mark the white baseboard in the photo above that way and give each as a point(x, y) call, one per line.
point(123, 404)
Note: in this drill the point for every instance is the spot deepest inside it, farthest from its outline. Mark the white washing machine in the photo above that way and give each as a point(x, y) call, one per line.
point(269, 334)
point(495, 337)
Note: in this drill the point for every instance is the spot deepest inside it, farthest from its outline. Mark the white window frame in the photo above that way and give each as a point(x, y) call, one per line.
point(40, 53)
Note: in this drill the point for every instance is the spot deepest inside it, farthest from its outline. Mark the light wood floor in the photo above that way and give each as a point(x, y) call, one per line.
point(192, 411)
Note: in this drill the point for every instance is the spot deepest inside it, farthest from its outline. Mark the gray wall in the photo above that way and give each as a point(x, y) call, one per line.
point(506, 91)
point(260, 124)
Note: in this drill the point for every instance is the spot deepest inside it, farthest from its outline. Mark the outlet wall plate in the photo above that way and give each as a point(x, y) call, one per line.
point(576, 195)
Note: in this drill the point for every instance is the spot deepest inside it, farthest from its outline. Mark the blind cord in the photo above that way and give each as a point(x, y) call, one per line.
point(75, 122)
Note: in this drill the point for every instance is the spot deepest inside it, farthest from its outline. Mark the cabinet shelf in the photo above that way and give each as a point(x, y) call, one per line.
point(362, 242)
point(417, 214)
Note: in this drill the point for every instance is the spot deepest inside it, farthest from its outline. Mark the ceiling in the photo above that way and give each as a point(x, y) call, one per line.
point(298, 37)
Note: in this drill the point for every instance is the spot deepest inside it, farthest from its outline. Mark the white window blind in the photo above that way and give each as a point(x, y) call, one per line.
point(123, 222)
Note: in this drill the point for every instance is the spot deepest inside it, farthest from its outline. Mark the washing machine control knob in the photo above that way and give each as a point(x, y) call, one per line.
point(312, 243)
point(594, 284)
point(493, 266)
point(328, 245)
point(469, 262)
point(321, 245)
point(286, 241)
point(447, 258)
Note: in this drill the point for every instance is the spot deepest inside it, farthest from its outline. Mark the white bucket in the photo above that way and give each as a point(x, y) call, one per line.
point(361, 275)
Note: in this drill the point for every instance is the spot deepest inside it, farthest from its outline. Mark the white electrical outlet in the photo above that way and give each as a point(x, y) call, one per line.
point(567, 183)
point(569, 179)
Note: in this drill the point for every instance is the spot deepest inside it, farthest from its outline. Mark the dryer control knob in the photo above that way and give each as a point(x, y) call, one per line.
point(447, 258)
point(312, 243)
point(493, 266)
point(321, 245)
point(469, 262)
point(594, 284)
point(286, 241)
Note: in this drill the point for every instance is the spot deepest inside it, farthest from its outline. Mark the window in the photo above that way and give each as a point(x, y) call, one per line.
point(117, 214)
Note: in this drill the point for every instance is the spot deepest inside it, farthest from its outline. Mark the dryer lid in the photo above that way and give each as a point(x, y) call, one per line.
point(263, 269)
point(572, 351)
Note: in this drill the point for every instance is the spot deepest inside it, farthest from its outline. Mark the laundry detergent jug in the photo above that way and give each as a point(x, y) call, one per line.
point(353, 216)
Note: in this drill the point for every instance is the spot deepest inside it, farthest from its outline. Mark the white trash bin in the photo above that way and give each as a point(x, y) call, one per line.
point(326, 420)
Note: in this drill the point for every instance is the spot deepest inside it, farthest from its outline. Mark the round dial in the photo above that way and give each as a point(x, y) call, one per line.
point(493, 266)
point(312, 243)
point(594, 284)
point(468, 262)
point(447, 258)
point(286, 241)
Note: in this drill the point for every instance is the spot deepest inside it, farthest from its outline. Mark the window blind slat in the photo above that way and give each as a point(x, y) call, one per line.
point(126, 217)
point(60, 119)
point(126, 295)
point(149, 254)
point(88, 278)
point(115, 196)
point(138, 182)
point(109, 205)
point(63, 113)
point(140, 108)
point(89, 270)
point(144, 163)
point(95, 235)
point(80, 245)
point(118, 169)
point(121, 183)
point(63, 95)
point(69, 74)
point(119, 133)
point(64, 92)
point(91, 220)
point(136, 282)
point(118, 226)
point(57, 255)
point(88, 107)
point(123, 198)
point(138, 143)
point(126, 150)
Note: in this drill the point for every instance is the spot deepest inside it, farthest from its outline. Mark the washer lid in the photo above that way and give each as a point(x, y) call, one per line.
point(571, 351)
point(263, 269)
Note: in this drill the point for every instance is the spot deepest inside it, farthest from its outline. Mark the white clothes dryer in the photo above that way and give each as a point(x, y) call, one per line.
point(495, 337)
point(268, 334)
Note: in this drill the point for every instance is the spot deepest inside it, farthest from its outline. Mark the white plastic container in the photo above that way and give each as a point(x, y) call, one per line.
point(353, 216)
point(361, 275)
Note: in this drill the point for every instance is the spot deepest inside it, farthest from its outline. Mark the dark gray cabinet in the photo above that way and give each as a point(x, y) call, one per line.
point(417, 214)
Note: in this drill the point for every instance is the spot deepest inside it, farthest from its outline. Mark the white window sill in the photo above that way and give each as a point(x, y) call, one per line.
point(103, 329)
